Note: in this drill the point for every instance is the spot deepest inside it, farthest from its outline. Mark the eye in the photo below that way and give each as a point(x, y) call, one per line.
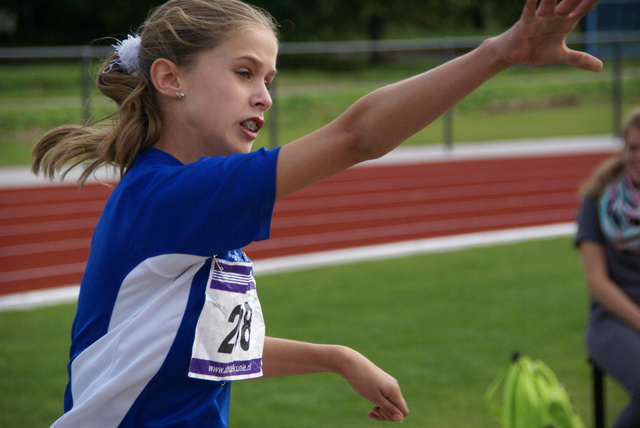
point(268, 84)
point(245, 74)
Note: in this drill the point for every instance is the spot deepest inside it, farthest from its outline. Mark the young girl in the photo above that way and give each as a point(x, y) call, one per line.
point(168, 313)
point(609, 242)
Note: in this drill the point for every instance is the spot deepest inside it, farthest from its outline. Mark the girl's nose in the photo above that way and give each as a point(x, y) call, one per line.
point(262, 98)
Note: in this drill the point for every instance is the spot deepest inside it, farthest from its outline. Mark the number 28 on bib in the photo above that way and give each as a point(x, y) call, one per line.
point(230, 332)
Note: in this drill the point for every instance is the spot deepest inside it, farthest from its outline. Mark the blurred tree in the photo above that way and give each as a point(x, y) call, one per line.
point(125, 16)
point(72, 22)
point(339, 20)
point(67, 22)
point(370, 19)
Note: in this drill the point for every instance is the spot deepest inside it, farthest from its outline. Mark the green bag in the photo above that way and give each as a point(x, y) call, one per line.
point(532, 397)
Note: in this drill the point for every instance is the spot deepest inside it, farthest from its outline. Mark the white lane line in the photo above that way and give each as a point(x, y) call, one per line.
point(60, 295)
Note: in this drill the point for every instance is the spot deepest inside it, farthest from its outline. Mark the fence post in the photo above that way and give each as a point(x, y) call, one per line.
point(616, 107)
point(448, 116)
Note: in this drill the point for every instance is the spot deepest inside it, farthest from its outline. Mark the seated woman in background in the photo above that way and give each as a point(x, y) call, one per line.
point(609, 242)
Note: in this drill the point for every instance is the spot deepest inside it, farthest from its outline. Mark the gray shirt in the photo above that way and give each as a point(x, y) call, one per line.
point(624, 266)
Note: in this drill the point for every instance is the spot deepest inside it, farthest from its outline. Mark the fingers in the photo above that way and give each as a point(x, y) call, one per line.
point(392, 408)
point(377, 414)
point(391, 405)
point(380, 414)
point(584, 61)
point(529, 11)
point(575, 8)
point(398, 404)
point(546, 8)
point(567, 8)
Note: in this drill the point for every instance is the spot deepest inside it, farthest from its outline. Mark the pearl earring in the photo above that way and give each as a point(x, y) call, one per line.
point(180, 95)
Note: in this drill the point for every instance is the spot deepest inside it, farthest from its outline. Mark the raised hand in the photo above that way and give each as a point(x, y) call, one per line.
point(539, 36)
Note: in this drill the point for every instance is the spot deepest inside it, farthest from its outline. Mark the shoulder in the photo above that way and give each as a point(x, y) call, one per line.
point(589, 222)
point(588, 210)
point(155, 168)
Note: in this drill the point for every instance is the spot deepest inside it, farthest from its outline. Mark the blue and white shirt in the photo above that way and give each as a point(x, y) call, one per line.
point(145, 286)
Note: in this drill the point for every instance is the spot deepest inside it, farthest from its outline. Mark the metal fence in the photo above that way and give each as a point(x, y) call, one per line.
point(617, 45)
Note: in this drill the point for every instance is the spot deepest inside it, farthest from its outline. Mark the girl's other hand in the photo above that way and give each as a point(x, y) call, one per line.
point(375, 385)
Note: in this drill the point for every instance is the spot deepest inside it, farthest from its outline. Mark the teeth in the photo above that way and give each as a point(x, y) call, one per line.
point(251, 125)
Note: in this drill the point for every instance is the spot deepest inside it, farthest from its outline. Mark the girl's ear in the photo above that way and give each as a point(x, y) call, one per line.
point(164, 75)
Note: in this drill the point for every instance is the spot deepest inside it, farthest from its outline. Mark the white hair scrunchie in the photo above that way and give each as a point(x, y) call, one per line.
point(128, 52)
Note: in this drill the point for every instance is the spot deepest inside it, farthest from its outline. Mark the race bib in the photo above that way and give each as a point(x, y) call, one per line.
point(230, 331)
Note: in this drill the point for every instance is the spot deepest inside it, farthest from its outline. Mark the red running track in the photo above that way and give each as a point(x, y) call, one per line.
point(45, 231)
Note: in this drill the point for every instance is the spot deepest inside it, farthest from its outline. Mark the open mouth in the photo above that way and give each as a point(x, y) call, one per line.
point(251, 125)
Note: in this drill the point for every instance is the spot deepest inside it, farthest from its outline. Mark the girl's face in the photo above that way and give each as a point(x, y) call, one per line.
point(226, 93)
point(632, 155)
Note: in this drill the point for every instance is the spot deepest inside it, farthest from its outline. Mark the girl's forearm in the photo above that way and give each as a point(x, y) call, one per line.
point(288, 357)
point(282, 357)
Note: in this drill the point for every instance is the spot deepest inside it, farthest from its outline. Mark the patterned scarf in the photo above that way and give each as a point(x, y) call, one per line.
point(619, 209)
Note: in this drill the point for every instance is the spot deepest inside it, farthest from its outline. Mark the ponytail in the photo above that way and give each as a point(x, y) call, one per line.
point(112, 141)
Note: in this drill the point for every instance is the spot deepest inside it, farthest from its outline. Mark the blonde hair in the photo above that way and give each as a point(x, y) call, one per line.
point(177, 31)
point(614, 167)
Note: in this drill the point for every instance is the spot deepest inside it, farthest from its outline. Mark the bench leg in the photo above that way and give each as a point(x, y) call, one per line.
point(598, 396)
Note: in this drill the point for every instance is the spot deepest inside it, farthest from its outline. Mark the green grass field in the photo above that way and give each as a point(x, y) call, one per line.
point(443, 324)
point(521, 103)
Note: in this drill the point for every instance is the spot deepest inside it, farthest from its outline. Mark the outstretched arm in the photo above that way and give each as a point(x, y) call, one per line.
point(283, 357)
point(380, 121)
